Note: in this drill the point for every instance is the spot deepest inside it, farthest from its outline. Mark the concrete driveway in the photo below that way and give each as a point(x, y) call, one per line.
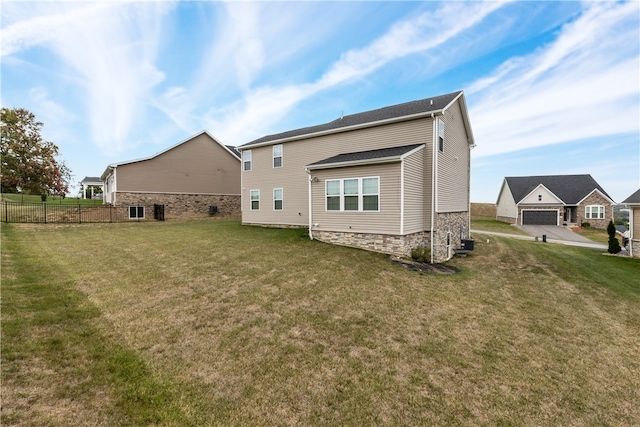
point(554, 232)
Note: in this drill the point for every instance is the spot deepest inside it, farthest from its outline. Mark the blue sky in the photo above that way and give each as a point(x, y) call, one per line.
point(552, 87)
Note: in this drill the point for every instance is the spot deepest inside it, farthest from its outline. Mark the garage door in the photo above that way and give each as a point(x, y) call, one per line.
point(539, 217)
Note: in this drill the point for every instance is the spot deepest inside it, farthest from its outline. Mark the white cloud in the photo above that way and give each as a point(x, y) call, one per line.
point(582, 85)
point(260, 108)
point(109, 48)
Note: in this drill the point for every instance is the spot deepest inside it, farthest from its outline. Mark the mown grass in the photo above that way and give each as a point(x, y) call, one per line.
point(212, 323)
point(595, 234)
point(486, 224)
point(34, 198)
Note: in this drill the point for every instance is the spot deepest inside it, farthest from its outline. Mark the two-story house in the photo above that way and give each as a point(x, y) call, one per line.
point(386, 180)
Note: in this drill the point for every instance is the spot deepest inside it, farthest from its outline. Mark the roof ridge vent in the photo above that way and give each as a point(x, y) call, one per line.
point(431, 102)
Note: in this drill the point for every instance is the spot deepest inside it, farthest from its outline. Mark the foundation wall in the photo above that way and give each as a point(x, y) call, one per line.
point(182, 205)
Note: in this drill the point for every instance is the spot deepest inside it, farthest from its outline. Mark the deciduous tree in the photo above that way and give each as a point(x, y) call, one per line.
point(29, 163)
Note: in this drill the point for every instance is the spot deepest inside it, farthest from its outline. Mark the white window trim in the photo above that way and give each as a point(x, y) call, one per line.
point(360, 194)
point(137, 207)
point(246, 158)
point(281, 199)
point(251, 200)
point(281, 156)
point(440, 135)
point(599, 215)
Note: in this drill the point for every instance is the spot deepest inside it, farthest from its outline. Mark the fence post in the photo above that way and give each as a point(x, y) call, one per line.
point(6, 212)
point(79, 213)
point(44, 208)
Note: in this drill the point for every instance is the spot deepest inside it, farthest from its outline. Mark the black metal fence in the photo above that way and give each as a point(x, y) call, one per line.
point(54, 213)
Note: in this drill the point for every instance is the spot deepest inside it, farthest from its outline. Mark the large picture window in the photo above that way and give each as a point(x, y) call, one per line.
point(353, 194)
point(255, 200)
point(246, 160)
point(277, 156)
point(594, 212)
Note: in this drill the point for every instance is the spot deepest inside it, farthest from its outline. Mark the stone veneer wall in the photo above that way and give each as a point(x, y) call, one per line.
point(595, 199)
point(386, 243)
point(457, 223)
point(635, 248)
point(182, 205)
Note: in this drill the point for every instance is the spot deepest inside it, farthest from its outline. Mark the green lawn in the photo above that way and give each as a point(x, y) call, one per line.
point(31, 198)
point(212, 323)
point(487, 224)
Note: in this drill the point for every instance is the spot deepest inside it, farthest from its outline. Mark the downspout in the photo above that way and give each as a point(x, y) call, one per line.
point(434, 177)
point(402, 197)
point(310, 205)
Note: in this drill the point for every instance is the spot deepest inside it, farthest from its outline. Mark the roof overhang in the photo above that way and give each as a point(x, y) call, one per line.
point(363, 162)
point(344, 129)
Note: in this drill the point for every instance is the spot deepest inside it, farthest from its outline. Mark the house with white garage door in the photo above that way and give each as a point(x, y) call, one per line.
point(554, 200)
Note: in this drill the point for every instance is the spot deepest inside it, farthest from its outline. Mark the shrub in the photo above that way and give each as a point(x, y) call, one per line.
point(421, 253)
point(614, 244)
point(586, 225)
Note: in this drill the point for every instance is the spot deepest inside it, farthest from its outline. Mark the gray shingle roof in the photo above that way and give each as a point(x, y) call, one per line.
point(233, 150)
point(569, 188)
point(435, 103)
point(634, 198)
point(367, 155)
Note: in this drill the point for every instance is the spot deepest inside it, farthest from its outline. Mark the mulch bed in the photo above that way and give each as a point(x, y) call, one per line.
point(424, 266)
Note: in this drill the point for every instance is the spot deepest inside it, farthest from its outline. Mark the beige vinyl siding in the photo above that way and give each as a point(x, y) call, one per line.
point(386, 221)
point(453, 164)
point(635, 229)
point(428, 177)
point(413, 192)
point(198, 166)
point(547, 197)
point(292, 177)
point(506, 206)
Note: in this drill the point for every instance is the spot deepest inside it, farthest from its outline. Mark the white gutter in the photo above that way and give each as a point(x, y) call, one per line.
point(310, 205)
point(402, 197)
point(433, 179)
point(342, 129)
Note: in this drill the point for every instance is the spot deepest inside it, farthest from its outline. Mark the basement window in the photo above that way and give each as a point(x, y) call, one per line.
point(136, 212)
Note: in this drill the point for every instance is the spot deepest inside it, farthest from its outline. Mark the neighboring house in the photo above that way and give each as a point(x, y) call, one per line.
point(633, 201)
point(554, 200)
point(186, 178)
point(90, 182)
point(386, 180)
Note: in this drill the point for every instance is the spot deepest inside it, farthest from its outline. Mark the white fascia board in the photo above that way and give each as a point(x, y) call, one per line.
point(344, 129)
point(598, 191)
point(392, 159)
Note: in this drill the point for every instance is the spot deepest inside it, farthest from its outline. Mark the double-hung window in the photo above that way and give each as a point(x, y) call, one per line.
point(255, 200)
point(277, 199)
point(277, 156)
point(440, 135)
point(353, 194)
point(246, 160)
point(594, 212)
